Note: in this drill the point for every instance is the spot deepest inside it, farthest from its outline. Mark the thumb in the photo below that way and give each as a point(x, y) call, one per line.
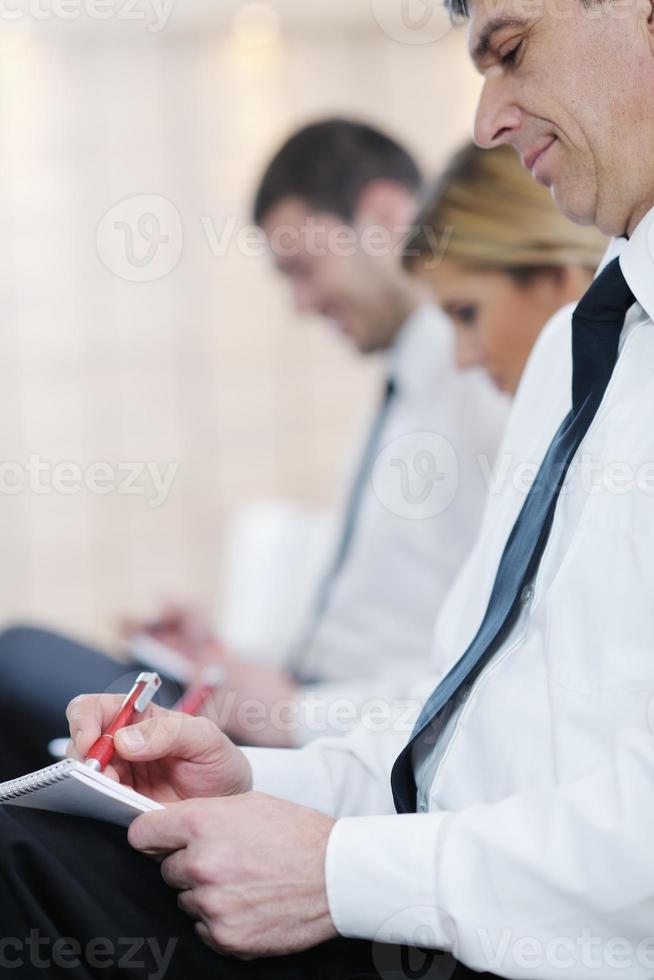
point(173, 734)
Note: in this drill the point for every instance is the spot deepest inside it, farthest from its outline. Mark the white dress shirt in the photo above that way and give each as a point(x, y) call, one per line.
point(417, 521)
point(534, 853)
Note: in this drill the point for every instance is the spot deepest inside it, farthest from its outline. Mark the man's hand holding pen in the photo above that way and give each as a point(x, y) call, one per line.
point(249, 868)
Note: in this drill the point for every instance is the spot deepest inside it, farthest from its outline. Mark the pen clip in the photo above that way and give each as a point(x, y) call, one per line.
point(152, 684)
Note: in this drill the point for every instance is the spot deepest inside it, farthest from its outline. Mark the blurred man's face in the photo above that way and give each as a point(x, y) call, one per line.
point(572, 89)
point(332, 273)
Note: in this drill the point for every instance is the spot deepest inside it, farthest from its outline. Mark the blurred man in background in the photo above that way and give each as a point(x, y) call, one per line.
point(336, 203)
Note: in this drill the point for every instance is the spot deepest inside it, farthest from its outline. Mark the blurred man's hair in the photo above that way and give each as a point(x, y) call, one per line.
point(458, 10)
point(328, 164)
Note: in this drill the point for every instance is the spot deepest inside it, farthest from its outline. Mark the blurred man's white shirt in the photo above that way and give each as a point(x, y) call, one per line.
point(417, 522)
point(534, 850)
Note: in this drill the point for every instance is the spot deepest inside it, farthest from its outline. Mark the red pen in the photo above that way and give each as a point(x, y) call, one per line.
point(101, 752)
point(192, 701)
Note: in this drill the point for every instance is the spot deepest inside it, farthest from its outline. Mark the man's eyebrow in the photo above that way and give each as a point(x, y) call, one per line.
point(485, 42)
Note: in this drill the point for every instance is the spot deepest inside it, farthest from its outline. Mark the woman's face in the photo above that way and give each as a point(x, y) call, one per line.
point(497, 320)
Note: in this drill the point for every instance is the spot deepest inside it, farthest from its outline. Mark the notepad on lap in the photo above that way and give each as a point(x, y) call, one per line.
point(70, 787)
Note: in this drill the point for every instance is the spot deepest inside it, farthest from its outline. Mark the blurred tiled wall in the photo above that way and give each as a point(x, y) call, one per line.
point(206, 367)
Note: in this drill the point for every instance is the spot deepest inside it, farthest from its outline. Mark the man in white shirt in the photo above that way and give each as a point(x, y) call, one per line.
point(530, 853)
point(336, 202)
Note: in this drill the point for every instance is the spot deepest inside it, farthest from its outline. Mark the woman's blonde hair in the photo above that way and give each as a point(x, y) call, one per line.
point(488, 212)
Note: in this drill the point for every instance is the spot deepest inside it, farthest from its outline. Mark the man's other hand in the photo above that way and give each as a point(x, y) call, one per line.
point(250, 870)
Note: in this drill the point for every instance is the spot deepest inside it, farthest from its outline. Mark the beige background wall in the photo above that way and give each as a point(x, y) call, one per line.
point(207, 367)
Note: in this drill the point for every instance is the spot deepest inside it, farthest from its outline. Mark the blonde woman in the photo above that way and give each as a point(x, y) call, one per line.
point(500, 258)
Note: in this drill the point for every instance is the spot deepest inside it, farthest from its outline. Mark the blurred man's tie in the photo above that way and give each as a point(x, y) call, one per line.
point(372, 448)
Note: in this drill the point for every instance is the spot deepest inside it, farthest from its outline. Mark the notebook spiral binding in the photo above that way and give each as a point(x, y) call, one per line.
point(40, 779)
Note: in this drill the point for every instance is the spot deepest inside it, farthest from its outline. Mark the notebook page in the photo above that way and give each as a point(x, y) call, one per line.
point(70, 787)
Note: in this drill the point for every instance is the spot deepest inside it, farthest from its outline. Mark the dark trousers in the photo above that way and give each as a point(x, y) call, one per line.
point(40, 672)
point(77, 902)
point(66, 878)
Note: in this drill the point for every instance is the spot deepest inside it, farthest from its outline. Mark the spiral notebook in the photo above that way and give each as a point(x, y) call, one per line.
point(70, 787)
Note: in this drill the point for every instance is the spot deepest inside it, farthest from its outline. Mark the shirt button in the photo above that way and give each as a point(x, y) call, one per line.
point(527, 594)
point(422, 807)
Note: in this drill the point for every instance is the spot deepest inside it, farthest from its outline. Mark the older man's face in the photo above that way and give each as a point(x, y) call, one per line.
point(572, 89)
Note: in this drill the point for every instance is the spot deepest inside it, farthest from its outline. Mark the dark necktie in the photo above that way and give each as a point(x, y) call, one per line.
point(372, 447)
point(596, 326)
point(362, 477)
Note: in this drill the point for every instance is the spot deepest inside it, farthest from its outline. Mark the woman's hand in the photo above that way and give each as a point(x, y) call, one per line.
point(167, 755)
point(184, 630)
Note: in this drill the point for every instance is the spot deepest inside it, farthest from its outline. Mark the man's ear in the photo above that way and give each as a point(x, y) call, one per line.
point(649, 13)
point(387, 204)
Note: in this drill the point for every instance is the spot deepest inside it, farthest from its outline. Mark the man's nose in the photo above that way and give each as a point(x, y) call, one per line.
point(498, 118)
point(303, 298)
point(468, 353)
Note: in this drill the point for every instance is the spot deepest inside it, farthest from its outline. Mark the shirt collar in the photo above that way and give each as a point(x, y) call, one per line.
point(637, 262)
point(422, 349)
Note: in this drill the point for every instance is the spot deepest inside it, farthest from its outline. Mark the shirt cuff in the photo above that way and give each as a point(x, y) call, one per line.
point(382, 880)
point(293, 775)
